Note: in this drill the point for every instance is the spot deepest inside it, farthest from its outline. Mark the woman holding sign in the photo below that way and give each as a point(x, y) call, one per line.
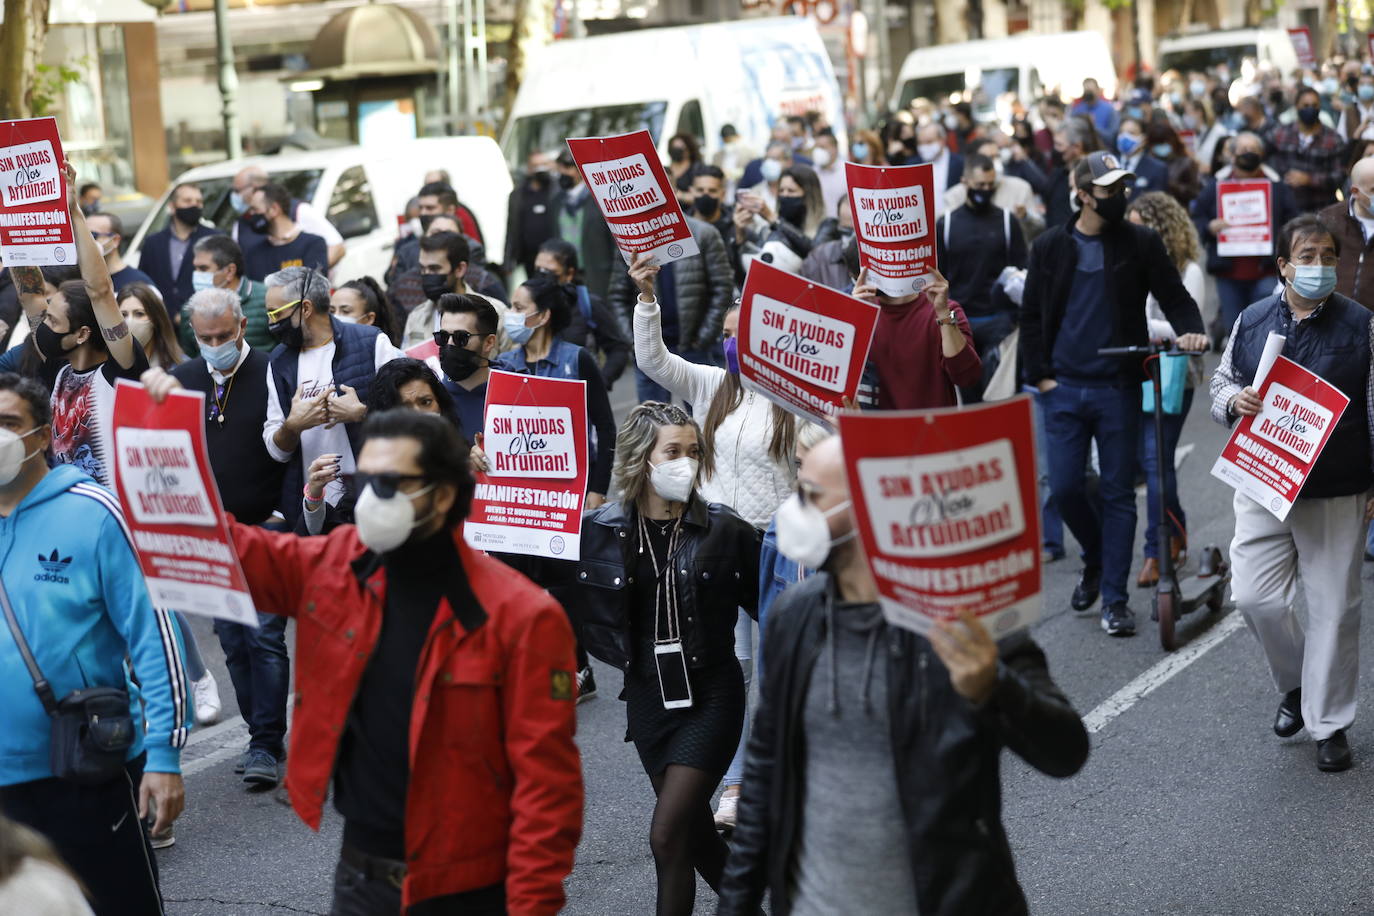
point(752, 441)
point(662, 576)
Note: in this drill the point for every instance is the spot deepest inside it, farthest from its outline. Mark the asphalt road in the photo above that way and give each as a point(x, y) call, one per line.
point(1188, 804)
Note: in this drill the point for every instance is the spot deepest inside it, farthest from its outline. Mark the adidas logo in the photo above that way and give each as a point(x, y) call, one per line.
point(54, 568)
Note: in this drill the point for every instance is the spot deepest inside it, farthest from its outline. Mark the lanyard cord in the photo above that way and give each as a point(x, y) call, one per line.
point(665, 587)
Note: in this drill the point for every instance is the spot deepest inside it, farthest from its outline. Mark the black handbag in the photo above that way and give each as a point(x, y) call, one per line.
point(92, 728)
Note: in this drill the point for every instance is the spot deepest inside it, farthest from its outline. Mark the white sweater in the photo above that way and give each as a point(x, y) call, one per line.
point(747, 479)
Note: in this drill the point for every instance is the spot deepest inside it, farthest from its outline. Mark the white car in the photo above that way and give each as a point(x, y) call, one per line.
point(363, 192)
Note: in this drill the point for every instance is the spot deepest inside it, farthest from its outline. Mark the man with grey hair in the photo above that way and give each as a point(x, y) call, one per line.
point(318, 382)
point(233, 376)
point(932, 147)
point(1073, 140)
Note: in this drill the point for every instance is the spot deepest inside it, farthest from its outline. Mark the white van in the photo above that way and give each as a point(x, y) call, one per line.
point(687, 79)
point(1203, 50)
point(1028, 65)
point(363, 192)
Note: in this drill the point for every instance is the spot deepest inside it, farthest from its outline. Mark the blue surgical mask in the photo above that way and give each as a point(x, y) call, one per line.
point(1330, 86)
point(1313, 281)
point(1162, 150)
point(237, 202)
point(1366, 92)
point(1127, 144)
point(859, 151)
point(1197, 89)
point(202, 279)
point(516, 329)
point(222, 357)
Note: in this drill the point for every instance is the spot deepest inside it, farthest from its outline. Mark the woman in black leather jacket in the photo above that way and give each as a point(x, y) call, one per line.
point(659, 585)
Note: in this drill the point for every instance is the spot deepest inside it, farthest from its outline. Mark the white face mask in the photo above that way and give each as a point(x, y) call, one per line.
point(929, 152)
point(12, 455)
point(673, 480)
point(346, 319)
point(142, 329)
point(804, 534)
point(820, 157)
point(385, 524)
point(772, 170)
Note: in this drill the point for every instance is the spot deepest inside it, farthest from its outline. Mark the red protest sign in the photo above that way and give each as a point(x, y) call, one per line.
point(1269, 455)
point(35, 227)
point(1302, 46)
point(530, 502)
point(947, 507)
point(894, 219)
point(801, 344)
point(634, 194)
point(1248, 208)
point(172, 506)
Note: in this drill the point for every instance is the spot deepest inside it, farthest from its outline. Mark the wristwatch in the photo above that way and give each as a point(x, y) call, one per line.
point(951, 320)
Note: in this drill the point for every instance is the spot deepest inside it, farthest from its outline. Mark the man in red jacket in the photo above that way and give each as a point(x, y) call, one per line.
point(435, 687)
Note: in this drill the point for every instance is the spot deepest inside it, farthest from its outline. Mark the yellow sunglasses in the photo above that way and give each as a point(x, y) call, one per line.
point(272, 314)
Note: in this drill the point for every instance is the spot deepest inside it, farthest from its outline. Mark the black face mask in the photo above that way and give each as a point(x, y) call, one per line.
point(706, 206)
point(1111, 209)
point(566, 182)
point(979, 199)
point(459, 363)
point(792, 210)
point(1089, 98)
point(188, 216)
point(1248, 162)
point(291, 335)
point(425, 220)
point(50, 342)
point(677, 154)
point(259, 223)
point(435, 285)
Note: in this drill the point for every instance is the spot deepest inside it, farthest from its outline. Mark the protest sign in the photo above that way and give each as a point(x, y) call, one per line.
point(530, 501)
point(1247, 207)
point(947, 508)
point(802, 345)
point(1270, 455)
point(1302, 46)
point(35, 227)
point(172, 506)
point(894, 219)
point(634, 194)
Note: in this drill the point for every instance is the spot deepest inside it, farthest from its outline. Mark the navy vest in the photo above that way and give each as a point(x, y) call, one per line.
point(355, 363)
point(1334, 343)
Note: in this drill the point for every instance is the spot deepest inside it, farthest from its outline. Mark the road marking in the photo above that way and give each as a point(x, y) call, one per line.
point(1159, 674)
point(210, 759)
point(205, 734)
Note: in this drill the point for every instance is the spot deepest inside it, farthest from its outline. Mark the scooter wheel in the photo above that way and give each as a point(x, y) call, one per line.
point(1215, 600)
point(1166, 608)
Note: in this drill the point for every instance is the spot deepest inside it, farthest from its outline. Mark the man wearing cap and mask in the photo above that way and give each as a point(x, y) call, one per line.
point(854, 717)
point(1085, 290)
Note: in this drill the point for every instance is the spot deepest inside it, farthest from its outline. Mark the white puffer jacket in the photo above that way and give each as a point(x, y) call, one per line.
point(746, 479)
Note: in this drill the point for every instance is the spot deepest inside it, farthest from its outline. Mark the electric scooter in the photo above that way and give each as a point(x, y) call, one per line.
point(1173, 597)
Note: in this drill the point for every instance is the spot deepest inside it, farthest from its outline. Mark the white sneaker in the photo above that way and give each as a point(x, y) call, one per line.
point(725, 812)
point(206, 694)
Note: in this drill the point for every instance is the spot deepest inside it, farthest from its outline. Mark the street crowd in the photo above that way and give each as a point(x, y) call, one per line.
point(435, 686)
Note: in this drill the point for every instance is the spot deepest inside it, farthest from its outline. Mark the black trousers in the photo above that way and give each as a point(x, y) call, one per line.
point(97, 832)
point(355, 894)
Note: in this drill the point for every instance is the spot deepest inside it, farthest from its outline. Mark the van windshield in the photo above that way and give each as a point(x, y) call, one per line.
point(548, 131)
point(937, 88)
point(1203, 59)
point(218, 210)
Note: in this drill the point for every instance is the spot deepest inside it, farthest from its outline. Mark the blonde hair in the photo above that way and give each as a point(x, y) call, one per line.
point(636, 440)
point(1162, 213)
point(810, 435)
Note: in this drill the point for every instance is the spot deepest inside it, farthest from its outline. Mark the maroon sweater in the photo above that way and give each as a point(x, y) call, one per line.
point(913, 373)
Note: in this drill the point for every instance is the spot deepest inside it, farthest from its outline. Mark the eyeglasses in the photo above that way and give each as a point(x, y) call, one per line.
point(273, 314)
point(384, 485)
point(459, 338)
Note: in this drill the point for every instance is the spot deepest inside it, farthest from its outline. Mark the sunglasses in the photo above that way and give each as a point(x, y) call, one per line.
point(384, 485)
point(273, 314)
point(459, 338)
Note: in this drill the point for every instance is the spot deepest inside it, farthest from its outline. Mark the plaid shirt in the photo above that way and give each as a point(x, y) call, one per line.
point(1323, 159)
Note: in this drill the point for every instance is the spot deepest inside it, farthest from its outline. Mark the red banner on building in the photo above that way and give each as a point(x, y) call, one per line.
point(1302, 46)
point(947, 507)
point(801, 344)
point(171, 504)
point(634, 194)
point(35, 227)
point(1269, 455)
point(530, 502)
point(1248, 209)
point(894, 219)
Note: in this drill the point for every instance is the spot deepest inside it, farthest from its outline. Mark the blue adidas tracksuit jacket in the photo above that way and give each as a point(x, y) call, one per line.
point(74, 582)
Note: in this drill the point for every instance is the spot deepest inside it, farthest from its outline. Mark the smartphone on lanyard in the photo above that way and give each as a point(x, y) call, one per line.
point(673, 684)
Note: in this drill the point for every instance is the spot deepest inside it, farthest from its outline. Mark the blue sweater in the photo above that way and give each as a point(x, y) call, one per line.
point(81, 602)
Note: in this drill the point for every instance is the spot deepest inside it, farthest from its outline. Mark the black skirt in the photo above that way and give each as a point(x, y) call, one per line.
point(703, 736)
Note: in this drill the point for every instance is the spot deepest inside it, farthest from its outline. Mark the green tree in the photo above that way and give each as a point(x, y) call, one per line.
point(21, 46)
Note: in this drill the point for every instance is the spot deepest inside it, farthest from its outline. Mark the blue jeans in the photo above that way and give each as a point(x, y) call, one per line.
point(1075, 416)
point(1234, 295)
point(646, 389)
point(195, 665)
point(744, 651)
point(261, 671)
point(1173, 429)
point(1051, 525)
